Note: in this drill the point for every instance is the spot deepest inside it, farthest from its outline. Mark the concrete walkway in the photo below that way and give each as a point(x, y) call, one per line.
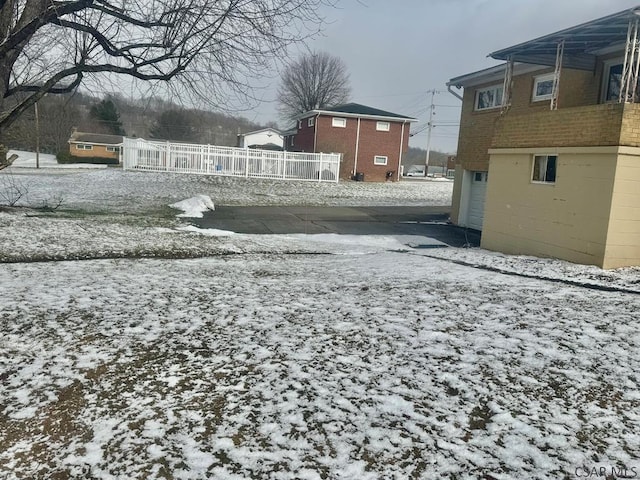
point(424, 221)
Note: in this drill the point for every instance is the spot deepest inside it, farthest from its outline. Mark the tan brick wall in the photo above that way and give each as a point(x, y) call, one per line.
point(97, 151)
point(577, 89)
point(593, 125)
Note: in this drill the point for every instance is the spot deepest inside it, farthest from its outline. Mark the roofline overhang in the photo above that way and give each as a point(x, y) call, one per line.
point(495, 73)
point(101, 144)
point(581, 54)
point(354, 115)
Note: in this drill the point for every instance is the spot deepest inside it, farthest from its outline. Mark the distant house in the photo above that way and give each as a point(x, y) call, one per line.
point(82, 144)
point(266, 139)
point(371, 141)
point(549, 150)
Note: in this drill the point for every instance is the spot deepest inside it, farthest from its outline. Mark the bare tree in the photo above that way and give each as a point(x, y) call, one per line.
point(209, 49)
point(315, 80)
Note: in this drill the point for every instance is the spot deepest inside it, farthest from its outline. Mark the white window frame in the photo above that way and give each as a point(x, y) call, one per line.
point(380, 160)
point(291, 139)
point(311, 121)
point(112, 149)
point(83, 146)
point(299, 124)
point(497, 103)
point(383, 126)
point(547, 77)
point(339, 122)
point(543, 178)
point(606, 73)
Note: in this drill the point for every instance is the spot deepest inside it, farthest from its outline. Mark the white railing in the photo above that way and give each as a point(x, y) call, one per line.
point(140, 154)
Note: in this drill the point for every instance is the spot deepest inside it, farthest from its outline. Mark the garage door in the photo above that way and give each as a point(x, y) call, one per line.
point(476, 200)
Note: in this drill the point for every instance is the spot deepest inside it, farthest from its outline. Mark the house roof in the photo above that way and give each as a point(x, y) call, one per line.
point(491, 74)
point(358, 110)
point(268, 129)
point(581, 43)
point(95, 138)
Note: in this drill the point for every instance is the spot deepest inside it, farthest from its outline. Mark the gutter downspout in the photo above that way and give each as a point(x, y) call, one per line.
point(455, 94)
point(401, 145)
point(315, 133)
point(355, 160)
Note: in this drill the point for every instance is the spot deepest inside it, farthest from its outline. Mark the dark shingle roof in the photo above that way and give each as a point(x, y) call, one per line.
point(99, 138)
point(358, 109)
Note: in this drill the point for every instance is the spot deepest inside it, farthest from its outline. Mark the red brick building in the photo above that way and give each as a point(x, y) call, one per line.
point(371, 141)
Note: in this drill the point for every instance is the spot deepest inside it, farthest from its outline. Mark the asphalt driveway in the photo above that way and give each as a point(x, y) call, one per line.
point(424, 221)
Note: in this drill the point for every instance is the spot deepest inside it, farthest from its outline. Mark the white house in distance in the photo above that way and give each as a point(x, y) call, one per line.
point(266, 138)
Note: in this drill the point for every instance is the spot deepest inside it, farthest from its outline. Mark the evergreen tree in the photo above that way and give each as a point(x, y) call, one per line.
point(107, 116)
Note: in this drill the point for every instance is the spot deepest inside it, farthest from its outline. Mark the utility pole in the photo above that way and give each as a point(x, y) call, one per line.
point(37, 137)
point(429, 127)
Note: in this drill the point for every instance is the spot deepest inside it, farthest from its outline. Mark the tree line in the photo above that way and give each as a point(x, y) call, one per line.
point(151, 118)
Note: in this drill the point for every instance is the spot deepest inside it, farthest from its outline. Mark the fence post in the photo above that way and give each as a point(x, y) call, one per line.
point(320, 168)
point(167, 155)
point(246, 162)
point(284, 164)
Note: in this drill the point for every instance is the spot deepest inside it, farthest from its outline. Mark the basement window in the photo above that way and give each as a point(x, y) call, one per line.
point(379, 160)
point(544, 168)
point(490, 97)
point(339, 122)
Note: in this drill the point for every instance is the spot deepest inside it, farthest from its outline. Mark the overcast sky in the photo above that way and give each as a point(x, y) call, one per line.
point(398, 50)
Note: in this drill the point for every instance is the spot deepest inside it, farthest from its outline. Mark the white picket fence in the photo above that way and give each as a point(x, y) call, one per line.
point(140, 154)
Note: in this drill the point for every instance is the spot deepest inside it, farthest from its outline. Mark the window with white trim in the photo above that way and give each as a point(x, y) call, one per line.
point(299, 124)
point(383, 126)
point(543, 87)
point(612, 81)
point(113, 149)
point(379, 160)
point(544, 168)
point(311, 121)
point(490, 97)
point(339, 122)
point(81, 146)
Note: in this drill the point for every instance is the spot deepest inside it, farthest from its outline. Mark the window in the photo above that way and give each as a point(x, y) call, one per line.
point(338, 122)
point(112, 149)
point(311, 121)
point(544, 168)
point(612, 81)
point(291, 140)
point(490, 97)
point(81, 146)
point(379, 160)
point(299, 124)
point(383, 126)
point(543, 87)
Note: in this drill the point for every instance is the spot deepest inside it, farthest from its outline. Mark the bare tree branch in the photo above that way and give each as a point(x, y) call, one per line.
point(203, 51)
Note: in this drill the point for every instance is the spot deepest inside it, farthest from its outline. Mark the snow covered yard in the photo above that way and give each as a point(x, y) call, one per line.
point(377, 366)
point(97, 190)
point(292, 356)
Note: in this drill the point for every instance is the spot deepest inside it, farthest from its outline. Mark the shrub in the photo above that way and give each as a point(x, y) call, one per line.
point(66, 157)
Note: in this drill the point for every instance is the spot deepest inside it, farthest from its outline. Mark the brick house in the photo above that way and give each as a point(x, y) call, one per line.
point(548, 159)
point(372, 141)
point(100, 145)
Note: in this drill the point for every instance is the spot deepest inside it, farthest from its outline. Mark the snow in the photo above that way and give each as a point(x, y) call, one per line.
point(46, 161)
point(135, 346)
point(194, 207)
